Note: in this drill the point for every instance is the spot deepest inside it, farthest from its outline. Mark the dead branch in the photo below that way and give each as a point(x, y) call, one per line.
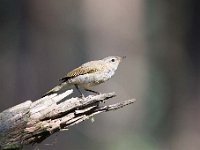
point(32, 122)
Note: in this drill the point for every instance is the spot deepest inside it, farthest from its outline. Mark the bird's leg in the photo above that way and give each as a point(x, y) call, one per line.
point(92, 91)
point(76, 86)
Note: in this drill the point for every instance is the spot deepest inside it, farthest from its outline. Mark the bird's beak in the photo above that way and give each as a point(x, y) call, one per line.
point(121, 58)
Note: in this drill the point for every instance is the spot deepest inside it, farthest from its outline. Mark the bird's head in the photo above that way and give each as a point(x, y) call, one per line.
point(113, 61)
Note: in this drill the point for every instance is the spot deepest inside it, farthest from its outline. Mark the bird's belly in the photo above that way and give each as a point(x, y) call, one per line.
point(89, 80)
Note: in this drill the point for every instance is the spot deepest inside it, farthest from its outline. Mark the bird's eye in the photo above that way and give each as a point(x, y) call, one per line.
point(113, 60)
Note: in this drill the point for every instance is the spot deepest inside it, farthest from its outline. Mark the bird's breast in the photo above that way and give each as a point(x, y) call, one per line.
point(92, 79)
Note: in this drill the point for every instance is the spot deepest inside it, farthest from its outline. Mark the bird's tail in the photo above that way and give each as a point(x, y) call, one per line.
point(58, 89)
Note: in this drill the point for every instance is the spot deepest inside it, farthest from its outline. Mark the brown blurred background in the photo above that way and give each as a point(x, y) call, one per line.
point(41, 40)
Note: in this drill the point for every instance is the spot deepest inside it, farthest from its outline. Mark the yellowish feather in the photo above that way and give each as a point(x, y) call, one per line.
point(81, 71)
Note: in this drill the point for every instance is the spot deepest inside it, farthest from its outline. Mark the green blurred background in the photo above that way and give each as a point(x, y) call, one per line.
point(41, 40)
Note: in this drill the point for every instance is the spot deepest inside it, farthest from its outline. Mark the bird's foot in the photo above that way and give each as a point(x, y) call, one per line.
point(82, 96)
point(97, 93)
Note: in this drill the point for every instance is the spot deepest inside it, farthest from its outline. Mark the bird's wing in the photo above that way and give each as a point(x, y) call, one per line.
point(79, 71)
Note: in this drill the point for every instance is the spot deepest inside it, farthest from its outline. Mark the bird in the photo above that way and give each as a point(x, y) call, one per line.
point(88, 75)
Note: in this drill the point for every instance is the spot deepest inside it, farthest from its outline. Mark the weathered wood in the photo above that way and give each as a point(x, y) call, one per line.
point(32, 122)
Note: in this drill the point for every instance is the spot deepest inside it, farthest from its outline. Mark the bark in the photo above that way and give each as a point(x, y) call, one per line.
point(32, 122)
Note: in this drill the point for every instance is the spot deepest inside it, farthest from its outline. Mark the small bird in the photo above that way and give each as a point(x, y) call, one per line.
point(88, 75)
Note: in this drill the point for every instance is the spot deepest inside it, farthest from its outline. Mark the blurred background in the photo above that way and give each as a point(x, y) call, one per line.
point(42, 40)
